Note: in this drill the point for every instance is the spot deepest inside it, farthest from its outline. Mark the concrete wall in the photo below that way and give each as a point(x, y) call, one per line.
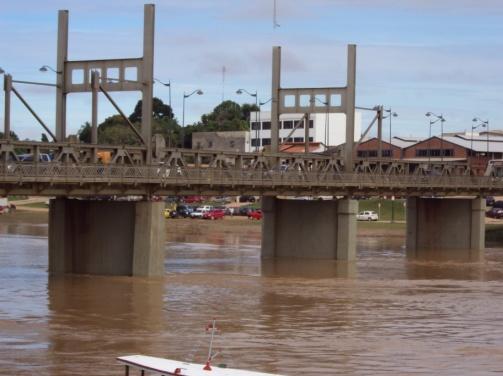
point(106, 238)
point(309, 229)
point(445, 224)
point(238, 141)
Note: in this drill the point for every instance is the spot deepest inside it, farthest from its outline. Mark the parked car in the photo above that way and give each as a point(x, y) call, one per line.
point(193, 199)
point(184, 211)
point(230, 211)
point(247, 199)
point(5, 206)
point(498, 204)
point(255, 214)
point(198, 213)
point(490, 201)
point(367, 215)
point(214, 214)
point(170, 213)
point(495, 213)
point(244, 210)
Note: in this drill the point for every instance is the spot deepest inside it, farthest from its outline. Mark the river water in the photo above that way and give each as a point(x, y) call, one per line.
point(386, 314)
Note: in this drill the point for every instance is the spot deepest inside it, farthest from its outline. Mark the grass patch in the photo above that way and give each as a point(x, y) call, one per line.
point(37, 205)
point(17, 198)
point(389, 208)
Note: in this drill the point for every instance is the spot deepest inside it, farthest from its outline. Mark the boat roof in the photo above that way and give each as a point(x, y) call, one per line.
point(174, 367)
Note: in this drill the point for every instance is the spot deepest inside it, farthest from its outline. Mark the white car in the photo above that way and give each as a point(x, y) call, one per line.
point(367, 215)
point(198, 213)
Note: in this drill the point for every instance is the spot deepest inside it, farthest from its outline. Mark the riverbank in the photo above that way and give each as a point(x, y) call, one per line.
point(35, 222)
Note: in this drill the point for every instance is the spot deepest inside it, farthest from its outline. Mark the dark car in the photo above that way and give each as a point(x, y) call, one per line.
point(244, 210)
point(246, 198)
point(184, 210)
point(490, 201)
point(495, 213)
point(498, 204)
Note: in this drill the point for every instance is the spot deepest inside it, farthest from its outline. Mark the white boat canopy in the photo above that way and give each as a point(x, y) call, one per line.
point(173, 367)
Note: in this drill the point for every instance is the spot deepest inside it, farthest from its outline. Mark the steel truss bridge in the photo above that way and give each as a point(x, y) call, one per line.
point(75, 171)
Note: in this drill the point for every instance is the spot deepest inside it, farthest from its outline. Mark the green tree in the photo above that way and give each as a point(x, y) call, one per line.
point(44, 138)
point(160, 111)
point(13, 136)
point(116, 131)
point(227, 116)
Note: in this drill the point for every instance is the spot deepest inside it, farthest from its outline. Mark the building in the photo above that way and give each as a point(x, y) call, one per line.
point(474, 148)
point(370, 148)
point(238, 141)
point(326, 129)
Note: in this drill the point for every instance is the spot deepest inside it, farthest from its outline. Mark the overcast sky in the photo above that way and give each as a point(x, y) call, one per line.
point(416, 56)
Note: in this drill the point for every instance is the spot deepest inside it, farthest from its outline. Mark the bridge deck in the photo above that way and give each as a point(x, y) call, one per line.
point(75, 171)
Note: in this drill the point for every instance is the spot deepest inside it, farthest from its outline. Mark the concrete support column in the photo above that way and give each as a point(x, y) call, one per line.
point(310, 229)
point(268, 227)
point(106, 238)
point(478, 228)
point(445, 224)
point(346, 229)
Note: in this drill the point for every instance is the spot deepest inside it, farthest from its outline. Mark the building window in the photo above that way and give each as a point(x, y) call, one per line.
point(232, 143)
point(255, 126)
point(434, 152)
point(367, 153)
point(298, 139)
point(266, 125)
point(311, 139)
point(210, 144)
point(288, 124)
point(255, 142)
point(266, 141)
point(311, 123)
point(387, 153)
point(288, 139)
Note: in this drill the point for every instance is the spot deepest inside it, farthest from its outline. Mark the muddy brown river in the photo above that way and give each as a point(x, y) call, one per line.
point(386, 314)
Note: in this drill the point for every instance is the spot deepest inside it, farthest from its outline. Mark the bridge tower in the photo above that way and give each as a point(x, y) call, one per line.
point(107, 75)
point(311, 228)
point(104, 237)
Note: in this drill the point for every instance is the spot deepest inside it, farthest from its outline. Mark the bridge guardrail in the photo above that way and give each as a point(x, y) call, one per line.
point(55, 173)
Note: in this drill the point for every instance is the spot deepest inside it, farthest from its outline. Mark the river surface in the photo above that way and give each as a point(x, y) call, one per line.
point(386, 314)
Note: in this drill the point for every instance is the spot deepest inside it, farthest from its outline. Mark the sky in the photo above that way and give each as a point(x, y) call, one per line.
point(414, 56)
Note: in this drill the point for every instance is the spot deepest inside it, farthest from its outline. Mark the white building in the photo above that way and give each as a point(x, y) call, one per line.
point(328, 130)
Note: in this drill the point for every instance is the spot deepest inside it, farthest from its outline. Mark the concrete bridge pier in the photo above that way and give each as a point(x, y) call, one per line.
point(106, 237)
point(445, 224)
point(309, 229)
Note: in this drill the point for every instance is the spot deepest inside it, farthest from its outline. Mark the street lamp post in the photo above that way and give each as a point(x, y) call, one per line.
point(442, 120)
point(45, 68)
point(260, 104)
point(185, 96)
point(390, 116)
point(241, 91)
point(483, 124)
point(168, 84)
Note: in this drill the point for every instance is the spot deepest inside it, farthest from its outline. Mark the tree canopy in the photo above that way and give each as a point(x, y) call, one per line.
point(227, 116)
point(13, 136)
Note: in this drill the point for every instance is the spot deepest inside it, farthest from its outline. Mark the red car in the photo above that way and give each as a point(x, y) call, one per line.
point(214, 214)
point(255, 214)
point(193, 199)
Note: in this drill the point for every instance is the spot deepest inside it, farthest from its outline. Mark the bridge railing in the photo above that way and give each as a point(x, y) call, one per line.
point(164, 175)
